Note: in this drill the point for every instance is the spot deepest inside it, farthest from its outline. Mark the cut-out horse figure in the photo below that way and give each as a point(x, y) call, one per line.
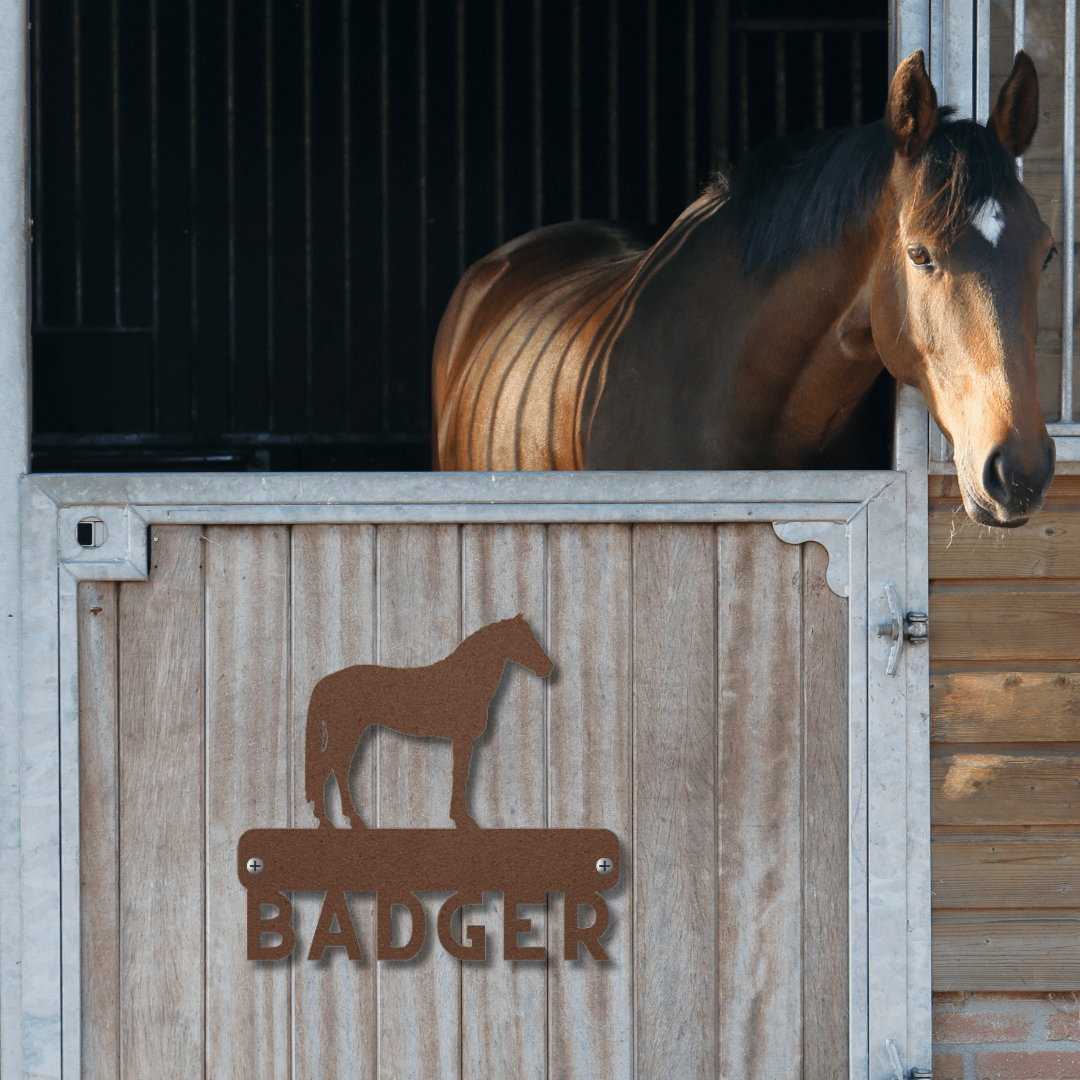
point(751, 335)
point(445, 700)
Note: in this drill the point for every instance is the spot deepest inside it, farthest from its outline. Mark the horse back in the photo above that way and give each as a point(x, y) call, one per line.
point(518, 357)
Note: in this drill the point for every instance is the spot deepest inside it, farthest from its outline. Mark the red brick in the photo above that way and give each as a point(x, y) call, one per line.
point(948, 1067)
point(981, 1028)
point(1062, 1026)
point(1016, 1066)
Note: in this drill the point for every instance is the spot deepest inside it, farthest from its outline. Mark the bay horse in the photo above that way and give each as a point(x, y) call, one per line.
point(445, 700)
point(752, 334)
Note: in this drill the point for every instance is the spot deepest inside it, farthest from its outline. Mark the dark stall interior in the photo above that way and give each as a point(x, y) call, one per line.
point(248, 216)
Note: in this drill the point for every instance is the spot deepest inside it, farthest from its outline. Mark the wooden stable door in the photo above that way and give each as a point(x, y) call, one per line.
point(698, 708)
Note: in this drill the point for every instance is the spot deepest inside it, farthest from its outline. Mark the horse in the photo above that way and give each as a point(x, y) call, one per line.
point(445, 700)
point(756, 333)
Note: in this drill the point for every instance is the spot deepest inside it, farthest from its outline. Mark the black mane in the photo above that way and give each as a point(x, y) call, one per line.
point(798, 195)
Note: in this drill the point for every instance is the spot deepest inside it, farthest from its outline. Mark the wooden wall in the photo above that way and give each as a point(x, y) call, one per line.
point(698, 708)
point(1005, 745)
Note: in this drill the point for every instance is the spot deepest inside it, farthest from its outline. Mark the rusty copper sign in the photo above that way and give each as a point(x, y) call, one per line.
point(447, 700)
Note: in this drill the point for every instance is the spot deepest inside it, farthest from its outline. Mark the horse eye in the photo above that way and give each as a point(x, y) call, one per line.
point(920, 256)
point(1049, 255)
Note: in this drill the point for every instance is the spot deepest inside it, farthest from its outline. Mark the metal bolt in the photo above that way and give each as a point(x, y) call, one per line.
point(604, 865)
point(255, 866)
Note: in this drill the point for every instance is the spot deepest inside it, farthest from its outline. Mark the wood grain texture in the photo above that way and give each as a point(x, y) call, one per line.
point(249, 764)
point(1008, 706)
point(675, 792)
point(332, 627)
point(504, 1003)
point(1047, 547)
point(944, 492)
point(590, 784)
point(825, 818)
point(984, 786)
point(419, 598)
point(998, 623)
point(1005, 951)
point(161, 826)
point(1028, 872)
point(99, 829)
point(761, 827)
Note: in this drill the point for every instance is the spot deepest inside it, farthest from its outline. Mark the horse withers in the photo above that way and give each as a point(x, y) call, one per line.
point(753, 334)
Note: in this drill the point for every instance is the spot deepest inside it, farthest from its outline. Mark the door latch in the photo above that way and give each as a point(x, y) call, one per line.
point(913, 627)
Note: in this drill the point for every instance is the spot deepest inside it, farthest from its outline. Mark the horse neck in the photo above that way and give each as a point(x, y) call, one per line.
point(482, 648)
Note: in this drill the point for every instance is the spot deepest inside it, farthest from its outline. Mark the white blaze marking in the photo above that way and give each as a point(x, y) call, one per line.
point(989, 219)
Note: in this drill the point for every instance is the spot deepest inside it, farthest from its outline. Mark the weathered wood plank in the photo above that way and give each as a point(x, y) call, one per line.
point(161, 797)
point(825, 816)
point(1029, 872)
point(1005, 951)
point(99, 829)
point(1047, 547)
point(761, 827)
point(419, 591)
point(986, 787)
point(1009, 706)
point(675, 793)
point(590, 784)
point(999, 623)
point(249, 747)
point(504, 1004)
point(333, 626)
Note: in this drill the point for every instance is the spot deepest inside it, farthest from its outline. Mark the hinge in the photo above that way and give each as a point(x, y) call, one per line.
point(913, 627)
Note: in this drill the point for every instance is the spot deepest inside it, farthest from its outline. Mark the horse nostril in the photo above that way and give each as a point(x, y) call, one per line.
point(995, 479)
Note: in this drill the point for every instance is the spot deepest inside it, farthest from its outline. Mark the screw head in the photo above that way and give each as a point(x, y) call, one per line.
point(255, 866)
point(605, 865)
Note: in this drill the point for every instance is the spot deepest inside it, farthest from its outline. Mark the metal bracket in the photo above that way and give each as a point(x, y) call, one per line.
point(834, 537)
point(117, 551)
point(914, 627)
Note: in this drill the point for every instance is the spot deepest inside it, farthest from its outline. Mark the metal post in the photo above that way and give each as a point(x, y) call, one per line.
point(1018, 44)
point(1068, 195)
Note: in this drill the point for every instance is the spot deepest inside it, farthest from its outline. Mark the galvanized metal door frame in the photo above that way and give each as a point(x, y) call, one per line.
point(863, 518)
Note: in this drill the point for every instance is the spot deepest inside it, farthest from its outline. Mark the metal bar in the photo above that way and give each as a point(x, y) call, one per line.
point(781, 84)
point(810, 26)
point(575, 109)
point(268, 139)
point(77, 139)
point(422, 121)
point(819, 81)
point(691, 105)
point(500, 127)
point(981, 83)
point(613, 109)
point(193, 179)
point(744, 95)
point(1019, 15)
point(230, 164)
point(114, 48)
point(37, 208)
point(155, 251)
point(538, 114)
point(1069, 208)
point(346, 203)
point(720, 152)
point(856, 78)
point(460, 136)
point(309, 259)
point(652, 213)
point(384, 187)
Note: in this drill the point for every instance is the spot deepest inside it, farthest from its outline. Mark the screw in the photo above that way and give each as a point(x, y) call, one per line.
point(604, 865)
point(255, 866)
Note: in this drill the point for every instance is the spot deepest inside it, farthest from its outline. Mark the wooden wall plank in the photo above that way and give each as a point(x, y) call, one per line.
point(985, 786)
point(997, 623)
point(99, 829)
point(675, 792)
point(419, 598)
point(761, 762)
point(161, 827)
point(989, 951)
point(504, 1003)
point(333, 627)
point(249, 762)
point(590, 784)
point(825, 817)
point(1007, 706)
point(1028, 872)
point(1047, 547)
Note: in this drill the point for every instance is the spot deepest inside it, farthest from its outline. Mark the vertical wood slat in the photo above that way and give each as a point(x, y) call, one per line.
point(248, 781)
point(419, 622)
point(333, 627)
point(760, 729)
point(99, 820)
point(590, 1006)
point(675, 791)
point(504, 1025)
point(161, 679)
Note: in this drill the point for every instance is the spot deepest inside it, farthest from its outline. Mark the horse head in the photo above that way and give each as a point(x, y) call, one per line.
point(524, 649)
point(955, 295)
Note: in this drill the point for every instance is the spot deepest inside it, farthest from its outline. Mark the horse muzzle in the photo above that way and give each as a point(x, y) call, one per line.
point(1010, 489)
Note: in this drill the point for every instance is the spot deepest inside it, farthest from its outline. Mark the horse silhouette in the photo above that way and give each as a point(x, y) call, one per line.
point(445, 700)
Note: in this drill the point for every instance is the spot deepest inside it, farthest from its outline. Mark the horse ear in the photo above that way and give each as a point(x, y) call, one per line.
point(911, 111)
point(1016, 114)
